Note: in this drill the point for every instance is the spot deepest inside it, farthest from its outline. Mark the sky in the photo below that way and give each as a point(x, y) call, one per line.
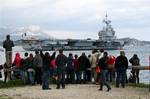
point(75, 18)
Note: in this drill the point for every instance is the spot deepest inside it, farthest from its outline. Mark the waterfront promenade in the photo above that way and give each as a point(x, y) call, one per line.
point(87, 91)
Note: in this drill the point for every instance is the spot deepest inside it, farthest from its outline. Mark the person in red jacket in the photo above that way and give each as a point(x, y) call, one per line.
point(76, 66)
point(111, 71)
point(53, 66)
point(111, 61)
point(17, 64)
point(17, 61)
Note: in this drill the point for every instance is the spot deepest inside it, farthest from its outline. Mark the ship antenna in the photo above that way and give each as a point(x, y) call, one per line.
point(106, 16)
point(25, 34)
point(106, 21)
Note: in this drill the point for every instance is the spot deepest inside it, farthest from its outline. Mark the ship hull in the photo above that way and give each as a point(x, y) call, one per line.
point(72, 45)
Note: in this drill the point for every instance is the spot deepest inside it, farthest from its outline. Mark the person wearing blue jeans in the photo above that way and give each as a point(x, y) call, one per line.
point(121, 78)
point(31, 76)
point(61, 78)
point(46, 72)
point(82, 76)
point(103, 80)
point(45, 80)
point(104, 69)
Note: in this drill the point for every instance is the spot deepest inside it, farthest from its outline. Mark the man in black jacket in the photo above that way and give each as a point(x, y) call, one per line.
point(46, 73)
point(83, 63)
point(121, 65)
point(8, 44)
point(61, 61)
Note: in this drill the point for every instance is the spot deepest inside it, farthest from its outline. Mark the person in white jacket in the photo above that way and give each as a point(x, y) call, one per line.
point(94, 60)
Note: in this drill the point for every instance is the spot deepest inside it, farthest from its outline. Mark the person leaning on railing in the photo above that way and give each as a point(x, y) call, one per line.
point(135, 61)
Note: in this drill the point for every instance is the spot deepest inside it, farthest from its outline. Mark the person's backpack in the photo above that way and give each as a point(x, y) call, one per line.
point(131, 79)
point(70, 63)
point(136, 62)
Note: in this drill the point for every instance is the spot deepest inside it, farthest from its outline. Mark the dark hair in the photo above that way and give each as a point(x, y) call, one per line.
point(76, 56)
point(41, 53)
point(36, 52)
point(83, 54)
point(31, 55)
point(8, 36)
point(135, 55)
point(105, 54)
point(26, 54)
point(61, 51)
point(94, 51)
point(101, 50)
point(46, 54)
point(70, 54)
point(89, 55)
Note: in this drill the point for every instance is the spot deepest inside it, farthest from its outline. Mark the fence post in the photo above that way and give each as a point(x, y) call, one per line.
point(149, 73)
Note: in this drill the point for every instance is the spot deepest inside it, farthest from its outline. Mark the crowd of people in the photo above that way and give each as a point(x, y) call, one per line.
point(99, 67)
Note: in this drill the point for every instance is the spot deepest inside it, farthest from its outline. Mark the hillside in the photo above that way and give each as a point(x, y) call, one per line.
point(134, 42)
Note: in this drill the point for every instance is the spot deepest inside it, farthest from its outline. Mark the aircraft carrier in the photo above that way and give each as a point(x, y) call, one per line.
point(107, 40)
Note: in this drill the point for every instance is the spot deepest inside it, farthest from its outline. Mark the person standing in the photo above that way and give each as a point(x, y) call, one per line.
point(30, 69)
point(83, 60)
point(88, 70)
point(53, 65)
point(38, 63)
point(121, 65)
point(46, 71)
point(61, 61)
point(104, 69)
point(24, 68)
point(8, 44)
point(94, 62)
point(98, 69)
point(111, 69)
point(135, 61)
point(76, 66)
point(70, 69)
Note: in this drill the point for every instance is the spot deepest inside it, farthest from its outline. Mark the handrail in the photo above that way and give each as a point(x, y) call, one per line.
point(139, 67)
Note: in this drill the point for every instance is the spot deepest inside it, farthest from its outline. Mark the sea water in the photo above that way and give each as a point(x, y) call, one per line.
point(143, 53)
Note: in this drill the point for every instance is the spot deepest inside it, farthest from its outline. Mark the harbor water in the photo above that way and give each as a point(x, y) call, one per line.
point(143, 53)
